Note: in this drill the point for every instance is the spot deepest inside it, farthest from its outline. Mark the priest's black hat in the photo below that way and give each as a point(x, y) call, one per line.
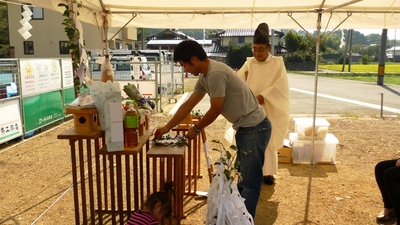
point(261, 35)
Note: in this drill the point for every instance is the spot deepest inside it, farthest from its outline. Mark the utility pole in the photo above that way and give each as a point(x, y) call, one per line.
point(350, 50)
point(394, 47)
point(345, 50)
point(382, 58)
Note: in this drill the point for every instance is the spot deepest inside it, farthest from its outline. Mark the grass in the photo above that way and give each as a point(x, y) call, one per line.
point(366, 73)
point(359, 68)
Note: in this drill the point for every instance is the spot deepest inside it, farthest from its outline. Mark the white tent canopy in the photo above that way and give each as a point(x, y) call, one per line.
point(235, 14)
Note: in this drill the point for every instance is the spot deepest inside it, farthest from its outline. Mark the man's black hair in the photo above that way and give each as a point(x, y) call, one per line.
point(185, 50)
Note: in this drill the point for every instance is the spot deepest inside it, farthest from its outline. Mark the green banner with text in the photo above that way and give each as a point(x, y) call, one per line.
point(42, 109)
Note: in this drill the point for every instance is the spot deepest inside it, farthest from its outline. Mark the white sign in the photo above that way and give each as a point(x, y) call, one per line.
point(40, 75)
point(67, 72)
point(10, 120)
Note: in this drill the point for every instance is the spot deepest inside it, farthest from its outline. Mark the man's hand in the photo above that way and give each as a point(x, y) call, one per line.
point(398, 163)
point(260, 99)
point(192, 133)
point(160, 131)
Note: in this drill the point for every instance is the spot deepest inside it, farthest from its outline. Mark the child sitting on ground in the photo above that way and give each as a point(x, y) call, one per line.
point(157, 206)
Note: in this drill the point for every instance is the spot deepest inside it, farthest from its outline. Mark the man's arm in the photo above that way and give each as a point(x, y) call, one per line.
point(212, 114)
point(180, 114)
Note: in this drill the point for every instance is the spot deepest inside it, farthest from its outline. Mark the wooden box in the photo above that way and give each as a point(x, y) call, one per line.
point(144, 123)
point(85, 120)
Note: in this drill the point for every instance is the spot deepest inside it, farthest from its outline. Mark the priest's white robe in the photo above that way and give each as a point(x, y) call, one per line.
point(269, 79)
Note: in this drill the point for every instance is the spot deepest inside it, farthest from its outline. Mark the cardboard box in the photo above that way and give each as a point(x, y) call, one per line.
point(285, 155)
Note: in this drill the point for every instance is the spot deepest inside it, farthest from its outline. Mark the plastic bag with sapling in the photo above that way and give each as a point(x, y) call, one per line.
point(107, 97)
point(83, 101)
point(136, 96)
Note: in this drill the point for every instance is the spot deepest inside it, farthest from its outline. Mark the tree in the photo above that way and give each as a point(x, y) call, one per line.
point(4, 34)
point(237, 55)
point(292, 41)
point(301, 47)
point(332, 42)
point(142, 32)
point(373, 39)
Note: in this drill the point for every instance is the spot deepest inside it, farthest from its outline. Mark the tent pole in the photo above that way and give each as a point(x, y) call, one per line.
point(105, 34)
point(272, 42)
point(133, 16)
point(312, 164)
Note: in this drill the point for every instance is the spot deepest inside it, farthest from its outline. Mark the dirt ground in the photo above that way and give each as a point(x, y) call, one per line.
point(35, 180)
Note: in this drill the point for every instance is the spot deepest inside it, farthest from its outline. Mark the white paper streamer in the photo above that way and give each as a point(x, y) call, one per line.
point(83, 73)
point(26, 26)
point(224, 204)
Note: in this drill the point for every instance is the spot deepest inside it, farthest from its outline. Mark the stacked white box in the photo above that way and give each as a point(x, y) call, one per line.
point(303, 128)
point(324, 150)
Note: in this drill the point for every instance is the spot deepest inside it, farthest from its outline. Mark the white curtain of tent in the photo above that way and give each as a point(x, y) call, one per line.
point(235, 14)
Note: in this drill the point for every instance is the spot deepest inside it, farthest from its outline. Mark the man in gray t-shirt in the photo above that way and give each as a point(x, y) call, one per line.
point(240, 106)
point(232, 98)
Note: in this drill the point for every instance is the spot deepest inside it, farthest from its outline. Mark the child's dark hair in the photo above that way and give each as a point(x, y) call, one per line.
point(163, 197)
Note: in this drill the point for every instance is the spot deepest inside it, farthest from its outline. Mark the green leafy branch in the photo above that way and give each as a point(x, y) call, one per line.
point(197, 113)
point(73, 42)
point(231, 165)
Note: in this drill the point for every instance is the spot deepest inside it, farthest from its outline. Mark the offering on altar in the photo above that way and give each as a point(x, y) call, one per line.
point(135, 95)
point(83, 101)
point(168, 140)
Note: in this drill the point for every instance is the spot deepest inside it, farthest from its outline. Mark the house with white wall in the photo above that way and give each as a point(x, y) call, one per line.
point(49, 39)
point(393, 52)
point(241, 36)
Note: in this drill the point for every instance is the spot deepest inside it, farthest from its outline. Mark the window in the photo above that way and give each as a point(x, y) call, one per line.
point(28, 48)
point(64, 47)
point(118, 45)
point(240, 40)
point(37, 12)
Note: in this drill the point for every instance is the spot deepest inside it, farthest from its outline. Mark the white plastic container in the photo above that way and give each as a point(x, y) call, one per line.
point(324, 150)
point(303, 128)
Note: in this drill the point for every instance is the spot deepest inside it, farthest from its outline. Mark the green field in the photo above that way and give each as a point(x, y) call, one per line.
point(366, 73)
point(357, 68)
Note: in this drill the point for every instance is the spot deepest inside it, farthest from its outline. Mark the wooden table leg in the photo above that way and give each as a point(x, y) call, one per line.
point(74, 180)
point(136, 181)
point(98, 185)
point(141, 184)
point(90, 179)
point(83, 181)
point(112, 188)
point(128, 185)
point(120, 200)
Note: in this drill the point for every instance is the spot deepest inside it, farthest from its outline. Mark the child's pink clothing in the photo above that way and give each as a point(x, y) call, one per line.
point(142, 218)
